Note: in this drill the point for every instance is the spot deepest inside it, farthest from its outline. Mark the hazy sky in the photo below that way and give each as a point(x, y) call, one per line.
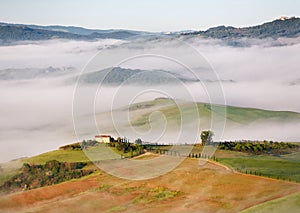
point(150, 15)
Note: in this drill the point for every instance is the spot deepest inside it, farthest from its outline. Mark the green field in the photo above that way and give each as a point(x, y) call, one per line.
point(59, 155)
point(288, 204)
point(11, 168)
point(233, 114)
point(95, 153)
point(286, 167)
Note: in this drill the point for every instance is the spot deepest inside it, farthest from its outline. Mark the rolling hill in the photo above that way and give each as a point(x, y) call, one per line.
point(19, 32)
point(118, 75)
point(238, 115)
point(164, 114)
point(188, 188)
point(283, 27)
point(74, 29)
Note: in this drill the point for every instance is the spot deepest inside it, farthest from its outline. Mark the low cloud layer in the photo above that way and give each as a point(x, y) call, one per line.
point(56, 53)
point(36, 114)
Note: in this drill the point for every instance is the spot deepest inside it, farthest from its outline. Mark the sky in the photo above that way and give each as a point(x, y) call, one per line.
point(154, 15)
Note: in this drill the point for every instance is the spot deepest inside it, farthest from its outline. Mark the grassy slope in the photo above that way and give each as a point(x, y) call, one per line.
point(188, 188)
point(285, 167)
point(59, 155)
point(193, 185)
point(290, 204)
point(11, 168)
point(233, 114)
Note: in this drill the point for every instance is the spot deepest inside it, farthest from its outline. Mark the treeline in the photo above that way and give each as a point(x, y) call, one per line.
point(275, 29)
point(79, 146)
point(122, 145)
point(201, 155)
point(127, 147)
point(53, 172)
point(265, 147)
point(74, 146)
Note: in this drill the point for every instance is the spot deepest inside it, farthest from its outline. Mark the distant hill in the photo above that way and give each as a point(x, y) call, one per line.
point(283, 27)
point(19, 32)
point(32, 73)
point(119, 75)
point(240, 116)
point(73, 29)
point(241, 122)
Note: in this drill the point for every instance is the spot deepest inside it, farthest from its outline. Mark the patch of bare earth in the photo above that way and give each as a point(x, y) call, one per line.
point(188, 188)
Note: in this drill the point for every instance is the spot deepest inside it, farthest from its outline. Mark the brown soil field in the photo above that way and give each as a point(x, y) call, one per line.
point(188, 188)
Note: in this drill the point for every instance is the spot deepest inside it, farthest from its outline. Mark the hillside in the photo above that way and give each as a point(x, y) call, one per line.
point(12, 32)
point(54, 182)
point(163, 113)
point(237, 115)
point(118, 75)
point(284, 27)
point(188, 188)
point(73, 29)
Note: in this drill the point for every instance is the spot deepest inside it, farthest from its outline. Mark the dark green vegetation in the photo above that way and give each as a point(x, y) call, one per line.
point(206, 137)
point(64, 154)
point(53, 172)
point(266, 147)
point(275, 29)
point(127, 149)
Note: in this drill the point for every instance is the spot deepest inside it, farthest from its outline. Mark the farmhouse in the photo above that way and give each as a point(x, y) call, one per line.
point(103, 138)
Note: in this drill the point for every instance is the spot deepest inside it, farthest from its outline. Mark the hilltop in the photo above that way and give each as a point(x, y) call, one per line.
point(236, 117)
point(283, 27)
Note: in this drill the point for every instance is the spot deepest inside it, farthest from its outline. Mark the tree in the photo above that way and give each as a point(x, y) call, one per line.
point(140, 149)
point(138, 141)
point(206, 137)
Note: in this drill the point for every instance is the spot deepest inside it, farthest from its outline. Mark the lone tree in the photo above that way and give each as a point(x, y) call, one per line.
point(139, 141)
point(206, 137)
